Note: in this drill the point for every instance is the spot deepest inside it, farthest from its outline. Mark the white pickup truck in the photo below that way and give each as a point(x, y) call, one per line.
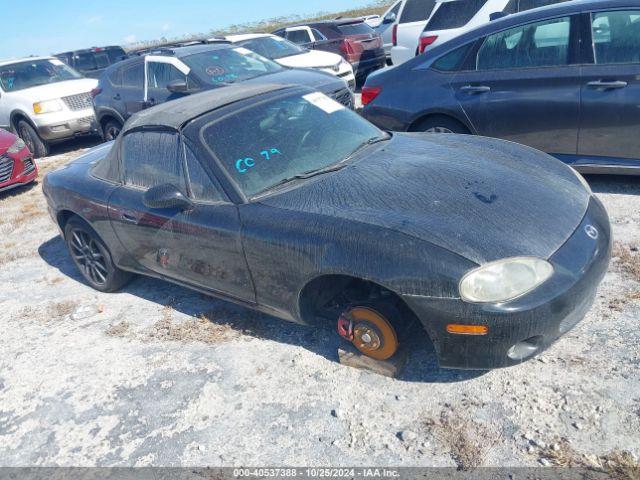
point(45, 101)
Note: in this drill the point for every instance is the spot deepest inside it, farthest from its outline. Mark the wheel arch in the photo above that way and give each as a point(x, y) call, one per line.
point(18, 115)
point(423, 117)
point(327, 287)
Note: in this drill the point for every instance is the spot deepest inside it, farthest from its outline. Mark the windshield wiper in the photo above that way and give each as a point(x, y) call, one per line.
point(365, 144)
point(303, 176)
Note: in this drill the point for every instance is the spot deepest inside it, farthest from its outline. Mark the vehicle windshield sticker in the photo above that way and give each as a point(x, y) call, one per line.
point(243, 51)
point(55, 61)
point(323, 102)
point(244, 164)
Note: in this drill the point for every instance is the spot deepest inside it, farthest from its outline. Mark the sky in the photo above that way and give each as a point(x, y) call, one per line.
point(43, 27)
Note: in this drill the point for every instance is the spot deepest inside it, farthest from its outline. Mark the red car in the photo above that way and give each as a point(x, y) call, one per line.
point(16, 162)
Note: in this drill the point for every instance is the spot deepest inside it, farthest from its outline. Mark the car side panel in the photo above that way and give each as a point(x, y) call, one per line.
point(286, 249)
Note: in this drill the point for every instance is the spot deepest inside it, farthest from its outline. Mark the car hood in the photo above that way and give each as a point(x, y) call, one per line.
point(311, 59)
point(484, 199)
point(324, 82)
point(59, 89)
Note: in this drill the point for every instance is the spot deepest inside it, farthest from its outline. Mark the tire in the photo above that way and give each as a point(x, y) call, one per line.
point(440, 125)
point(380, 322)
point(111, 130)
point(92, 258)
point(28, 134)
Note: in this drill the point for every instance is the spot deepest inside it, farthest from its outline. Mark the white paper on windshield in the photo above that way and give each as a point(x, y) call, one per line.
point(323, 102)
point(55, 61)
point(243, 51)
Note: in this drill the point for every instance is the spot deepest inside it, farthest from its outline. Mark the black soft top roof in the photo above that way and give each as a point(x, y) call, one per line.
point(176, 113)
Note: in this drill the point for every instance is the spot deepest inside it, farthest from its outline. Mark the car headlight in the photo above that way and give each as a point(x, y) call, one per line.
point(17, 146)
point(504, 279)
point(47, 106)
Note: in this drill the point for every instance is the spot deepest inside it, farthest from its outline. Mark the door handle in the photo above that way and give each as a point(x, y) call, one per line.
point(117, 96)
point(473, 89)
point(129, 218)
point(604, 85)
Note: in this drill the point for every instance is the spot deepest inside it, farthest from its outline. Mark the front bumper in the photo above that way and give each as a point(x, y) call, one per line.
point(63, 125)
point(22, 167)
point(524, 327)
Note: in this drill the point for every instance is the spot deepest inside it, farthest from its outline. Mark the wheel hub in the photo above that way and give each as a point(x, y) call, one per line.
point(369, 331)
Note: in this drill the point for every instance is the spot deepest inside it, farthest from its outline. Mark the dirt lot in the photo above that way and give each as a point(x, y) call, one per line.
point(160, 375)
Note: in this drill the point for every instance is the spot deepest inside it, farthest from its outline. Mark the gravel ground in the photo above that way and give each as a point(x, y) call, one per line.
point(160, 375)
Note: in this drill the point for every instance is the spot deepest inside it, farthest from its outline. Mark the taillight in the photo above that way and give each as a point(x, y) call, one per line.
point(426, 41)
point(96, 91)
point(346, 47)
point(369, 94)
point(394, 35)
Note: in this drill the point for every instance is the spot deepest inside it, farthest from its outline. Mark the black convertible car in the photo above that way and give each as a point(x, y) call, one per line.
point(278, 198)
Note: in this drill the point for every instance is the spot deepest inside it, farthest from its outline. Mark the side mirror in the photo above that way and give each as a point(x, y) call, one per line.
point(389, 18)
point(496, 15)
point(179, 86)
point(166, 196)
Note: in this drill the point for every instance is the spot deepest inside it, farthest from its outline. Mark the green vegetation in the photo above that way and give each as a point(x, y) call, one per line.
point(271, 24)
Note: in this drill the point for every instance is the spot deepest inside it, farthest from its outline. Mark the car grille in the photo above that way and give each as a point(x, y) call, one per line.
point(85, 120)
point(6, 168)
point(344, 97)
point(28, 166)
point(77, 102)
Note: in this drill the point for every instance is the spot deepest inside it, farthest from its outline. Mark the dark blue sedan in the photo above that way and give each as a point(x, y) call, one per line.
point(564, 79)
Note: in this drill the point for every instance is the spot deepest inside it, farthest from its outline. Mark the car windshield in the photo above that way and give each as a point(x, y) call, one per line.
point(18, 76)
point(454, 14)
point(229, 65)
point(272, 47)
point(286, 140)
point(87, 61)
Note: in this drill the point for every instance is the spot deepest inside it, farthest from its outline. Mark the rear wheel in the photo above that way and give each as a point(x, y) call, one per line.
point(92, 257)
point(370, 327)
point(111, 130)
point(28, 134)
point(440, 124)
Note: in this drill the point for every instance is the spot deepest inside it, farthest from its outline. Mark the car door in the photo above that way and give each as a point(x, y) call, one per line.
point(610, 120)
point(129, 97)
point(159, 72)
point(200, 245)
point(413, 18)
point(523, 85)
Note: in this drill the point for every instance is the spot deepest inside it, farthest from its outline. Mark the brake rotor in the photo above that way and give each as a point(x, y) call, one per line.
point(373, 334)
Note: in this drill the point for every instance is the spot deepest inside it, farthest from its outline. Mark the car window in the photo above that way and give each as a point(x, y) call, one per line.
point(355, 29)
point(151, 158)
point(616, 36)
point(539, 44)
point(159, 75)
point(453, 60)
point(298, 36)
point(318, 35)
point(396, 9)
point(31, 73)
point(202, 188)
point(454, 14)
point(416, 10)
point(133, 76)
point(272, 47)
point(263, 144)
point(229, 65)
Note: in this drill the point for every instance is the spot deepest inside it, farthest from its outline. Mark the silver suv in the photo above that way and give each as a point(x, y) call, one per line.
point(45, 101)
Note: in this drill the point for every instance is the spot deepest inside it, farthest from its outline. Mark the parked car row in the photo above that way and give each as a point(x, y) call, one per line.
point(48, 99)
point(563, 79)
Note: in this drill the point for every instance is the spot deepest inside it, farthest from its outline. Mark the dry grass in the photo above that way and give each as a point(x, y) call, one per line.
point(9, 257)
point(469, 441)
point(617, 464)
point(627, 258)
point(119, 329)
point(62, 309)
